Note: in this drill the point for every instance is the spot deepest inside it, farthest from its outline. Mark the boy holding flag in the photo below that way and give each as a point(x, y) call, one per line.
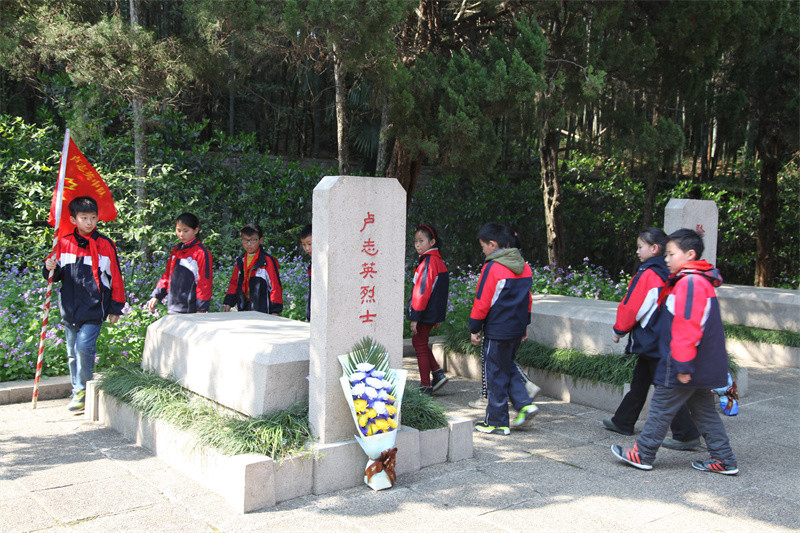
point(86, 264)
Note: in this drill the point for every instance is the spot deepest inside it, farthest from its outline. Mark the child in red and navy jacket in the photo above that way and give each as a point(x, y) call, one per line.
point(502, 311)
point(255, 282)
point(694, 359)
point(187, 281)
point(427, 305)
point(636, 316)
point(86, 264)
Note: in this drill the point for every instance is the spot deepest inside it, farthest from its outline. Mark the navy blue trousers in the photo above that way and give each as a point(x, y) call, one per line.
point(502, 381)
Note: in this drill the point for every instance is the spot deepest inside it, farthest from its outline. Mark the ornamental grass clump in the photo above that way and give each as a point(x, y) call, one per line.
point(278, 434)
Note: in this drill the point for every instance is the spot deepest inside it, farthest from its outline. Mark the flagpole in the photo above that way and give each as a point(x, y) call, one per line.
point(46, 312)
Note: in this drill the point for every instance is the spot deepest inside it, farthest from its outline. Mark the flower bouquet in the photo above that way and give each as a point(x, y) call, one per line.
point(374, 393)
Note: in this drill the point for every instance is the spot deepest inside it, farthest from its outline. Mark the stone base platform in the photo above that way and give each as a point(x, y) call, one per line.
point(250, 482)
point(760, 307)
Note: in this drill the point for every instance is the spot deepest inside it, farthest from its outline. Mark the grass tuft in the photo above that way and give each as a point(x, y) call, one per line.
point(768, 336)
point(420, 411)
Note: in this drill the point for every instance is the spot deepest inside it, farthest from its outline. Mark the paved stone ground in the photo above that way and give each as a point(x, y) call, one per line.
point(61, 473)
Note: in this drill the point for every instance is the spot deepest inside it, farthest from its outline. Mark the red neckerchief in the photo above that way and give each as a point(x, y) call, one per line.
point(248, 268)
point(83, 241)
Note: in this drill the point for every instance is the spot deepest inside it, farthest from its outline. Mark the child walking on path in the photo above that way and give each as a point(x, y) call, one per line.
point(187, 281)
point(693, 362)
point(427, 305)
point(636, 316)
point(86, 264)
point(500, 314)
point(255, 281)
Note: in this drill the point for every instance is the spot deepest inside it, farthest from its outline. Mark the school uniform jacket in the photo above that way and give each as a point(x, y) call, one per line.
point(637, 313)
point(691, 334)
point(91, 281)
point(187, 281)
point(502, 306)
point(266, 292)
point(428, 301)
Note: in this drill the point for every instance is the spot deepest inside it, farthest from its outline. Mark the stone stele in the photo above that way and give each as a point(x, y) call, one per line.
point(251, 362)
point(356, 285)
point(699, 215)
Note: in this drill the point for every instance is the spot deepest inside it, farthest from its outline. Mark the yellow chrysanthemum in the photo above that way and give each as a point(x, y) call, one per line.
point(391, 409)
point(382, 424)
point(372, 429)
point(392, 423)
point(360, 405)
point(371, 413)
point(363, 420)
point(390, 398)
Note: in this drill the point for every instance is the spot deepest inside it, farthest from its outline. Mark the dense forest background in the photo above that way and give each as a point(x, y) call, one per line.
point(574, 122)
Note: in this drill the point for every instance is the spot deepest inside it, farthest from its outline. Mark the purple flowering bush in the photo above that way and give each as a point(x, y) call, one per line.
point(22, 296)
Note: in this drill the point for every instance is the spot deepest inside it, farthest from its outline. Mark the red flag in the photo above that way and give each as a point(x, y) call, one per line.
point(80, 179)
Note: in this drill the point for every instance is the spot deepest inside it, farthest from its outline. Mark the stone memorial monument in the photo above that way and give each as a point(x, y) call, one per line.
point(699, 215)
point(357, 285)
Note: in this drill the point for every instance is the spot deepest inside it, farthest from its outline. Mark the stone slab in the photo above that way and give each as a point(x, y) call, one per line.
point(22, 391)
point(760, 307)
point(433, 446)
point(770, 354)
point(576, 323)
point(251, 362)
point(460, 445)
point(338, 465)
point(699, 215)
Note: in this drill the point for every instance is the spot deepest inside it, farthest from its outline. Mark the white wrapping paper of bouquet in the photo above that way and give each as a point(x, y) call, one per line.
point(374, 445)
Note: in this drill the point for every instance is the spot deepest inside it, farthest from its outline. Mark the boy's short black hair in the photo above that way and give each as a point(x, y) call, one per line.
point(82, 204)
point(305, 232)
point(688, 239)
point(251, 229)
point(189, 220)
point(654, 236)
point(496, 232)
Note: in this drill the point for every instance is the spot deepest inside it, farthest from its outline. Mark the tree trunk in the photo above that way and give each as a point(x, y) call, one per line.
point(767, 211)
point(341, 113)
point(551, 192)
point(404, 169)
point(383, 140)
point(139, 142)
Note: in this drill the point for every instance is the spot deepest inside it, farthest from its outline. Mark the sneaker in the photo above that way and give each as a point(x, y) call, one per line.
point(428, 391)
point(684, 445)
point(631, 456)
point(715, 465)
point(439, 379)
point(609, 424)
point(480, 403)
point(494, 430)
point(526, 414)
point(532, 389)
point(78, 401)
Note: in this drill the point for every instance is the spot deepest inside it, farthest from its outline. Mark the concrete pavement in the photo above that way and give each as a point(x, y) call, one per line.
point(61, 473)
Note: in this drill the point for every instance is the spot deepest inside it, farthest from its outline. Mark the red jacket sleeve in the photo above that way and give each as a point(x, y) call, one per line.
point(276, 294)
point(163, 284)
point(487, 284)
point(205, 281)
point(642, 295)
point(691, 301)
point(117, 284)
